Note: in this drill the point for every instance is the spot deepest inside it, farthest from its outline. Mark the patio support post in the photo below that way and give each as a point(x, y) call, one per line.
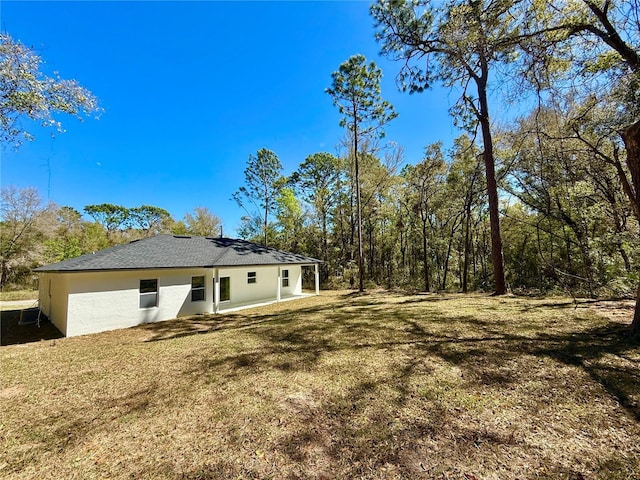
point(216, 291)
point(317, 279)
point(279, 284)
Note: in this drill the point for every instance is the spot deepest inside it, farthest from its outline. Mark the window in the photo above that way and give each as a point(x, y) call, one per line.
point(197, 289)
point(285, 278)
point(225, 289)
point(149, 293)
point(251, 277)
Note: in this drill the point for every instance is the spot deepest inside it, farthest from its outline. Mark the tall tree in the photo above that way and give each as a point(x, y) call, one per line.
point(148, 218)
point(356, 92)
point(317, 179)
point(460, 43)
point(21, 211)
point(621, 33)
point(202, 222)
point(111, 217)
point(423, 181)
point(263, 182)
point(27, 92)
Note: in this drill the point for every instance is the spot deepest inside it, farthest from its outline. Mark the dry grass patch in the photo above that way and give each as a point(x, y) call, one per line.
point(14, 295)
point(338, 386)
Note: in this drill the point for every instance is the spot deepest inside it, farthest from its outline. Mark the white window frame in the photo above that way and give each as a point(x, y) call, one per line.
point(252, 277)
point(145, 295)
point(285, 278)
point(202, 289)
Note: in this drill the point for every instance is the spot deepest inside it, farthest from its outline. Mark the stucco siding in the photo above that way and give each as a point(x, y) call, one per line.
point(242, 292)
point(100, 301)
point(79, 303)
point(52, 298)
point(295, 280)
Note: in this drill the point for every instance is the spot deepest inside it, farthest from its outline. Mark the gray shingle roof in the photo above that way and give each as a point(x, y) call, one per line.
point(174, 251)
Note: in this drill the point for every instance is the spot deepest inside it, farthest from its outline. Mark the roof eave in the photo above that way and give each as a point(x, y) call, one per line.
point(130, 269)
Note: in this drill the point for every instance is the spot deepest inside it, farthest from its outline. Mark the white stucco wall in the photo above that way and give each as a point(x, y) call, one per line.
point(91, 302)
point(295, 280)
point(265, 287)
point(52, 298)
point(100, 301)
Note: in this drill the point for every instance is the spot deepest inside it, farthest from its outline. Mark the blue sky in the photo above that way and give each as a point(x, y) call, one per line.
point(190, 89)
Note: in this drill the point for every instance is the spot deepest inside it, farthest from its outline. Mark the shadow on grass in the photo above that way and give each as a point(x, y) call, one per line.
point(463, 340)
point(482, 348)
point(13, 332)
point(206, 323)
point(353, 433)
point(362, 431)
point(57, 433)
point(587, 350)
point(407, 394)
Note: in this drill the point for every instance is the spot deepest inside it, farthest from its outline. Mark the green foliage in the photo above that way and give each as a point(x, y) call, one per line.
point(29, 93)
point(148, 218)
point(290, 218)
point(572, 227)
point(316, 179)
point(202, 222)
point(263, 182)
point(356, 92)
point(455, 43)
point(23, 227)
point(62, 248)
point(111, 217)
point(252, 229)
point(464, 44)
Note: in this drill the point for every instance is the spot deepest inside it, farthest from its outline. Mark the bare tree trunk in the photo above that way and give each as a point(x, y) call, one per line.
point(446, 259)
point(403, 250)
point(631, 138)
point(3, 274)
point(467, 247)
point(425, 256)
point(635, 323)
point(324, 267)
point(358, 214)
point(492, 191)
point(266, 223)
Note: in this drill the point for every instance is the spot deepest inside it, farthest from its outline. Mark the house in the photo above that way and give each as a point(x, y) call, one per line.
point(164, 277)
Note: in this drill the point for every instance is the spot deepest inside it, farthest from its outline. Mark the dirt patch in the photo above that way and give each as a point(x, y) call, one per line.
point(11, 392)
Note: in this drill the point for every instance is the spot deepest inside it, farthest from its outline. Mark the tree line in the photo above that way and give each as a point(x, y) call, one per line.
point(34, 233)
point(426, 226)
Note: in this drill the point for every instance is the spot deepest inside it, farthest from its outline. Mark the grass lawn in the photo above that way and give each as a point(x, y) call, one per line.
point(14, 295)
point(374, 386)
